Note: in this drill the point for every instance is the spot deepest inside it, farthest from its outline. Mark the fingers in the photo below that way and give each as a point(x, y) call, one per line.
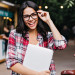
point(44, 15)
point(41, 13)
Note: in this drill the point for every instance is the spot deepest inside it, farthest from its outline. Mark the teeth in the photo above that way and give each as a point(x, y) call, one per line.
point(31, 23)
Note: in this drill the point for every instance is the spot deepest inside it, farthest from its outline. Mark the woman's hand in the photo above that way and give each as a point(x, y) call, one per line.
point(44, 15)
point(47, 72)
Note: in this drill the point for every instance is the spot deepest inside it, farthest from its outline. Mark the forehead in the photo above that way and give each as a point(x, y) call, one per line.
point(28, 10)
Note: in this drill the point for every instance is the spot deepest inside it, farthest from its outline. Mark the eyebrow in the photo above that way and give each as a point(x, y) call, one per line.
point(31, 13)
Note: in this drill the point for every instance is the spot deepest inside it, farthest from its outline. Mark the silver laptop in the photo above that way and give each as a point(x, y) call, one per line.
point(38, 58)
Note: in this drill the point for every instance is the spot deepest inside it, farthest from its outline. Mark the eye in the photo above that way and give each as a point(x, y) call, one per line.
point(34, 14)
point(25, 16)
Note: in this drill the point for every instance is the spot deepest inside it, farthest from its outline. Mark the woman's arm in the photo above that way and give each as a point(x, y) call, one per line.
point(19, 68)
point(59, 41)
point(55, 32)
point(46, 18)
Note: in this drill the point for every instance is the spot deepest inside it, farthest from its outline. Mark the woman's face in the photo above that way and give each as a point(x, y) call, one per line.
point(30, 18)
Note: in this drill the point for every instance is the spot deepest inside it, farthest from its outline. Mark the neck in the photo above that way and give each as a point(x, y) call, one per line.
point(33, 36)
point(34, 31)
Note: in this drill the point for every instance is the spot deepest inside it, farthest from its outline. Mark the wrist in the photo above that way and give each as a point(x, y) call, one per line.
point(49, 22)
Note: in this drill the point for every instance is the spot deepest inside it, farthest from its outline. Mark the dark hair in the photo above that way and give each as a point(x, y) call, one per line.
point(42, 27)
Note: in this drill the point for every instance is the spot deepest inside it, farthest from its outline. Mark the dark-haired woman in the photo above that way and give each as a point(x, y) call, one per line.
point(33, 28)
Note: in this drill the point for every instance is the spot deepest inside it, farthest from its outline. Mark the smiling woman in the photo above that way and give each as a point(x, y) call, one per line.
point(30, 11)
point(33, 28)
point(30, 18)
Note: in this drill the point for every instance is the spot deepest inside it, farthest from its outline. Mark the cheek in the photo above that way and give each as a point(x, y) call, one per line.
point(37, 20)
point(25, 23)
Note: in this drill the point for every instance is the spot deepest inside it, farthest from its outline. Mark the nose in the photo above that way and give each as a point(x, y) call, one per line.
point(30, 18)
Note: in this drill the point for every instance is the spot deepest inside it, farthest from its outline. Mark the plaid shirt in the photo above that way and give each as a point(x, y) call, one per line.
point(17, 46)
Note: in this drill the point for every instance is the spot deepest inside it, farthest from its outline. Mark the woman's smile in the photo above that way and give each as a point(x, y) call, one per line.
point(31, 24)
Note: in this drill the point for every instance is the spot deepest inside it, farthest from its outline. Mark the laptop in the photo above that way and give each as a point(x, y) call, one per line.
point(38, 58)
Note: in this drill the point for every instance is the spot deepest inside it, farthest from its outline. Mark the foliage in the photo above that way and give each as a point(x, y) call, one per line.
point(69, 3)
point(61, 17)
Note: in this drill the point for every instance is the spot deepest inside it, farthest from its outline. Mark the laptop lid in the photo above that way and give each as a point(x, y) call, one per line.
point(37, 58)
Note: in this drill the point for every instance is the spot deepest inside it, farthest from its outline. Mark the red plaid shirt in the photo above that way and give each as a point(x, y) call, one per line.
point(17, 46)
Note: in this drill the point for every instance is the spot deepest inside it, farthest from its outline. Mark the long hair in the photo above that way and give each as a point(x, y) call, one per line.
point(42, 27)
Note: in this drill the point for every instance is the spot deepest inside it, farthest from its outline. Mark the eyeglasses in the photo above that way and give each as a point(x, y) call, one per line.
point(27, 17)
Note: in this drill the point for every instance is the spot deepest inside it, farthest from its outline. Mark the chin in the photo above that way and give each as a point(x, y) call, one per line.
point(32, 25)
point(32, 28)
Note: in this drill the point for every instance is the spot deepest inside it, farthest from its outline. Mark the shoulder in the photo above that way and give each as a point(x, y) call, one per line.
point(13, 32)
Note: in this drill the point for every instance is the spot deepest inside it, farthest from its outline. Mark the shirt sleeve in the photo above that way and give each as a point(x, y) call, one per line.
point(60, 44)
point(52, 68)
point(56, 44)
point(11, 58)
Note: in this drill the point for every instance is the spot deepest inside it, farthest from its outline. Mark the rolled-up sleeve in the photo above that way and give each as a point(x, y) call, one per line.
point(56, 44)
point(60, 44)
point(11, 58)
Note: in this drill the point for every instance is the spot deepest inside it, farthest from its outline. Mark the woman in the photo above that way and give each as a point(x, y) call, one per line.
point(6, 37)
point(33, 27)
